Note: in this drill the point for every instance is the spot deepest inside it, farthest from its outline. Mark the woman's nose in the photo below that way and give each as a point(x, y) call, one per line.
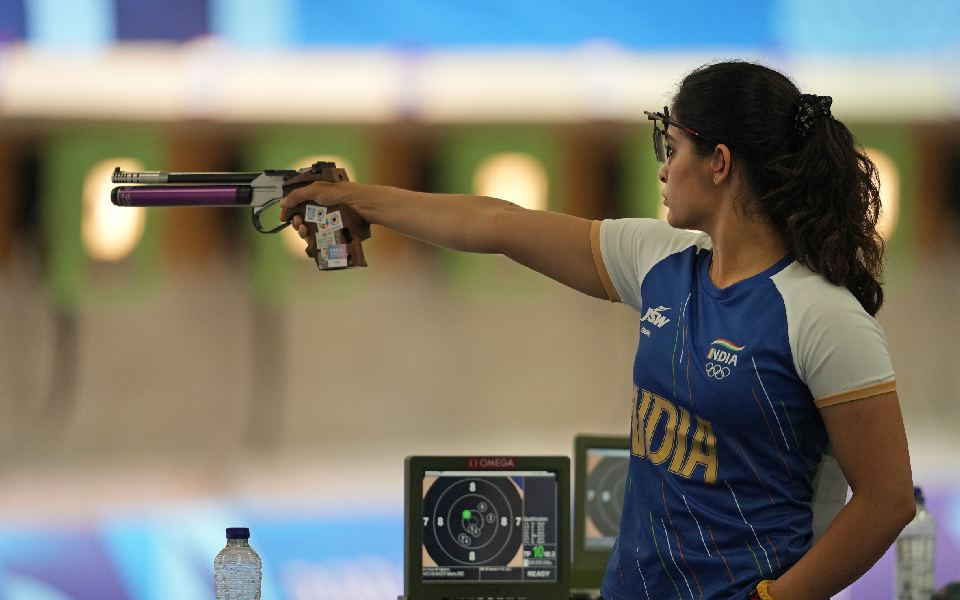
point(662, 173)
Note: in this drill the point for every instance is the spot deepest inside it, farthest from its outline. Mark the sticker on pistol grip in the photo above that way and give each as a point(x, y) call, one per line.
point(315, 214)
point(333, 221)
point(326, 237)
point(334, 256)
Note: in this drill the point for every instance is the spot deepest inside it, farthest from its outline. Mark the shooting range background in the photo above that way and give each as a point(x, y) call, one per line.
point(211, 377)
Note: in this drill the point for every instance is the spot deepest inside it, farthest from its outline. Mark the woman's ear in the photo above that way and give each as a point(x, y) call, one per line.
point(720, 164)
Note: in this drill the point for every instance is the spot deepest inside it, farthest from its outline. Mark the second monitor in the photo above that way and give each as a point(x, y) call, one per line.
point(600, 476)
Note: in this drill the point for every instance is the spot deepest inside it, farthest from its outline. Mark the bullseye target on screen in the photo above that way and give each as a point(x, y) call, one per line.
point(606, 484)
point(601, 463)
point(486, 526)
point(489, 527)
point(472, 522)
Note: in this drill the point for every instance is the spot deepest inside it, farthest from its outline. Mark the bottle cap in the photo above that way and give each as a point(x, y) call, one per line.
point(238, 533)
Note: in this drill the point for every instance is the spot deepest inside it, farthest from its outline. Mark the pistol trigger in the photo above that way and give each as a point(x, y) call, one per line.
point(259, 227)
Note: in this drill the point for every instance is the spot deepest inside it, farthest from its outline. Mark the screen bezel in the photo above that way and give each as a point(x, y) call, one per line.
point(415, 468)
point(588, 565)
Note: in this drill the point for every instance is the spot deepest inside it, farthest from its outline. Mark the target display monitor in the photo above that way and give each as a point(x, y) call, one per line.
point(600, 477)
point(487, 527)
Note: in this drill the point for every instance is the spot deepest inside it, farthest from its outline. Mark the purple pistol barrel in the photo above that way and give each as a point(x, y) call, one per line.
point(181, 195)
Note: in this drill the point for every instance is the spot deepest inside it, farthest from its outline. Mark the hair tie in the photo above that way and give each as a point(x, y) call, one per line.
point(808, 107)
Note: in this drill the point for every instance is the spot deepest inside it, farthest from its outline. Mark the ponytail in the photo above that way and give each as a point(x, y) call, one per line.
point(810, 178)
point(827, 207)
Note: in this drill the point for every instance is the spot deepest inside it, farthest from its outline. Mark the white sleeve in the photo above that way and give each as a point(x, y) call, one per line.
point(839, 350)
point(629, 248)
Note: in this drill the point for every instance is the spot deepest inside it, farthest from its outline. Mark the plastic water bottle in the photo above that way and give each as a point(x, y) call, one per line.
point(915, 554)
point(237, 569)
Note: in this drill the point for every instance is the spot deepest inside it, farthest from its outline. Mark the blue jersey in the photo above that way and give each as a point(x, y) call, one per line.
point(725, 424)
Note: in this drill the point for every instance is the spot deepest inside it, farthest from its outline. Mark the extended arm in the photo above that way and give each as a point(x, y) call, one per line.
point(871, 447)
point(553, 244)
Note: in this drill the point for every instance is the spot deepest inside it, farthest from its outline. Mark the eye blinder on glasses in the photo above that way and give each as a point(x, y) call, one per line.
point(660, 135)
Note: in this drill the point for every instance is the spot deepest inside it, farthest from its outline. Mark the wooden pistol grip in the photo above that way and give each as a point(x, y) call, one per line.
point(352, 234)
point(354, 231)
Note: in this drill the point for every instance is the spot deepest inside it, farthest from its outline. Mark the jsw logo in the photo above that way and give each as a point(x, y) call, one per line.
point(654, 317)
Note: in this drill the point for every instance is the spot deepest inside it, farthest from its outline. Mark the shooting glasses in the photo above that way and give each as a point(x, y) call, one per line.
point(660, 147)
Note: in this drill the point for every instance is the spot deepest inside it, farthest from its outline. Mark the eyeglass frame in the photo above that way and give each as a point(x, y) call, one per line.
point(659, 136)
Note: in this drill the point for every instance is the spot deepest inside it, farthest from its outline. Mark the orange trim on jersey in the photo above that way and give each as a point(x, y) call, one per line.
point(598, 261)
point(858, 394)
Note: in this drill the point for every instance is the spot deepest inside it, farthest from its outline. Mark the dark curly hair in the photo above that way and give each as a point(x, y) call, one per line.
point(819, 190)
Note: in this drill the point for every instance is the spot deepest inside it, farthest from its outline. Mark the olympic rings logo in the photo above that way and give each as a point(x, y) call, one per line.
point(717, 371)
